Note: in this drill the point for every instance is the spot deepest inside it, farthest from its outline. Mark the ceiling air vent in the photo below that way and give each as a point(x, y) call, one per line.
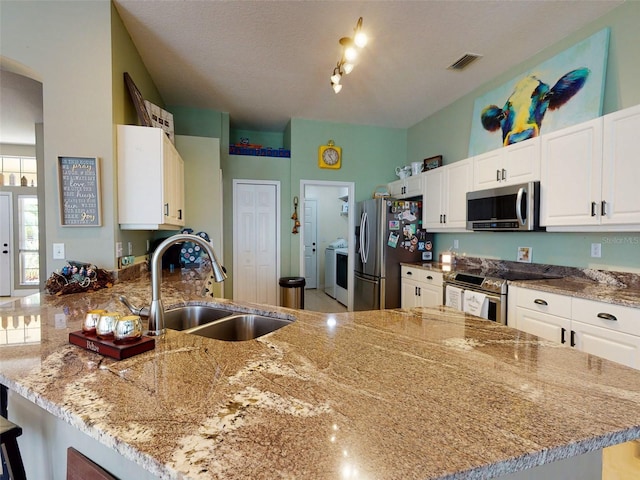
point(464, 61)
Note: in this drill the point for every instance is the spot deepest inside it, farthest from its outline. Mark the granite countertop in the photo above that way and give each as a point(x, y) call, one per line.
point(425, 393)
point(620, 288)
point(584, 288)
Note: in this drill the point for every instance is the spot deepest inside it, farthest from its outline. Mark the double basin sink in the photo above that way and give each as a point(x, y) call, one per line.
point(221, 324)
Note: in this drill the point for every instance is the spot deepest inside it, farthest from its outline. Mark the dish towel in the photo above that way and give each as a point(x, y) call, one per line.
point(453, 297)
point(476, 304)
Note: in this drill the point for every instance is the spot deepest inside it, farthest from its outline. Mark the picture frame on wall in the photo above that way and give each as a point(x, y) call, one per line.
point(79, 191)
point(431, 163)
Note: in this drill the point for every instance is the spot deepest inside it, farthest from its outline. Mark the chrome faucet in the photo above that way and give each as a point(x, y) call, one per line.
point(156, 310)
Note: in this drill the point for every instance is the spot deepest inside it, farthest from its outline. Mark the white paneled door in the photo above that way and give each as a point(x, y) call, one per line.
point(256, 241)
point(5, 244)
point(309, 231)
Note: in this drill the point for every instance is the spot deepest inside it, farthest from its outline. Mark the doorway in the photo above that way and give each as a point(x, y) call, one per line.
point(334, 201)
point(256, 241)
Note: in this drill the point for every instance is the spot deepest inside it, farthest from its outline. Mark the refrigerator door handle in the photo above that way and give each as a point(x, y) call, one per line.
point(364, 238)
point(367, 280)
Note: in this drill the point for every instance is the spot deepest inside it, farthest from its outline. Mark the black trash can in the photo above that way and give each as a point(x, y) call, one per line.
point(292, 292)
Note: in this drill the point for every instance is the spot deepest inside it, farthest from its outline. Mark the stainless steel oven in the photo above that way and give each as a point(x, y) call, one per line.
point(495, 290)
point(492, 283)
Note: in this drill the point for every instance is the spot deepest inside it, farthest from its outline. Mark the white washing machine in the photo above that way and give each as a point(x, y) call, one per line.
point(330, 271)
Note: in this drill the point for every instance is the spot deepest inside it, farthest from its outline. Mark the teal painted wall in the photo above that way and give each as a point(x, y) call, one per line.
point(369, 157)
point(447, 133)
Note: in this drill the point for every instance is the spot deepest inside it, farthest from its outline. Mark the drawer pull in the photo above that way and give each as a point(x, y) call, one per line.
point(409, 272)
point(539, 301)
point(429, 277)
point(607, 316)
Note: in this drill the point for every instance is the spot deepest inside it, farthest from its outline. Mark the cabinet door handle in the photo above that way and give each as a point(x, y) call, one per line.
point(444, 218)
point(419, 291)
point(607, 316)
point(573, 338)
point(563, 331)
point(504, 174)
point(497, 175)
point(166, 209)
point(603, 208)
point(440, 218)
point(593, 209)
point(539, 301)
point(180, 214)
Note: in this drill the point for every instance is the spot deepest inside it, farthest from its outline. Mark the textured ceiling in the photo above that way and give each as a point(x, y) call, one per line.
point(265, 62)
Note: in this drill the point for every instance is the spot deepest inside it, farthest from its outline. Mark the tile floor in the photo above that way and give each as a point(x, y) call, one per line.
point(318, 301)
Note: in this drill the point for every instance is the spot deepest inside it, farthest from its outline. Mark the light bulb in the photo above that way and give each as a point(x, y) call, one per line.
point(360, 39)
point(348, 68)
point(350, 54)
point(337, 87)
point(335, 78)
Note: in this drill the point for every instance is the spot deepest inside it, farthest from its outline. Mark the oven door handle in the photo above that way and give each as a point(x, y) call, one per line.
point(490, 296)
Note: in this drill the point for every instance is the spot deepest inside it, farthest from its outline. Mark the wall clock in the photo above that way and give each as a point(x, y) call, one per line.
point(329, 155)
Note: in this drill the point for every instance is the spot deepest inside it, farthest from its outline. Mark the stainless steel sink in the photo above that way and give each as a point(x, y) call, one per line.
point(189, 316)
point(239, 327)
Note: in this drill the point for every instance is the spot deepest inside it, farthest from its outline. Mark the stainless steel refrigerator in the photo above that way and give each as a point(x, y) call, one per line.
point(389, 232)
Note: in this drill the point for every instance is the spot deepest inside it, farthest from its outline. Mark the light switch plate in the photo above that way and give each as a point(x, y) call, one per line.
point(596, 250)
point(58, 251)
point(118, 249)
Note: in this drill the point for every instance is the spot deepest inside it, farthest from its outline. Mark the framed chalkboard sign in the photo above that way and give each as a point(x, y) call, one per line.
point(79, 186)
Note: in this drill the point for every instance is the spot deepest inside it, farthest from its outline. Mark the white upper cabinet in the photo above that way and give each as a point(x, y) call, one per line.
point(571, 175)
point(589, 175)
point(445, 197)
point(406, 187)
point(150, 180)
point(621, 168)
point(517, 163)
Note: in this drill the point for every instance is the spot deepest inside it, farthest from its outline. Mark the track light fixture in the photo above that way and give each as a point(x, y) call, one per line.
point(350, 47)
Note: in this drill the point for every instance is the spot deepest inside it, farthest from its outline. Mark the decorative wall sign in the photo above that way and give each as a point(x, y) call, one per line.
point(431, 163)
point(162, 119)
point(79, 187)
point(565, 90)
point(138, 101)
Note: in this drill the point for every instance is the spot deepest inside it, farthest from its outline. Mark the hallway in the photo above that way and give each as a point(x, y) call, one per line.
point(318, 301)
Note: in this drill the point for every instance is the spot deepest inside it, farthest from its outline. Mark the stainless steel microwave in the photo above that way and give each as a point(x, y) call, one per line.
point(511, 208)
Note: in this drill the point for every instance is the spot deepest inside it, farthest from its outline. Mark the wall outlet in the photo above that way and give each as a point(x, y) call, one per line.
point(130, 248)
point(58, 251)
point(456, 243)
point(118, 249)
point(596, 250)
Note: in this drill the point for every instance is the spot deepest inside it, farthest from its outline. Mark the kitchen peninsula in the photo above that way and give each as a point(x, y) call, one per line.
point(415, 394)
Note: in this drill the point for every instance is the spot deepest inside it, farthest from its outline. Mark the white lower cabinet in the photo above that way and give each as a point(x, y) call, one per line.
point(420, 287)
point(602, 329)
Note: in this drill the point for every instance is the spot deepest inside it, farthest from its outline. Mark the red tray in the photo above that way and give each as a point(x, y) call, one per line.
point(109, 348)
